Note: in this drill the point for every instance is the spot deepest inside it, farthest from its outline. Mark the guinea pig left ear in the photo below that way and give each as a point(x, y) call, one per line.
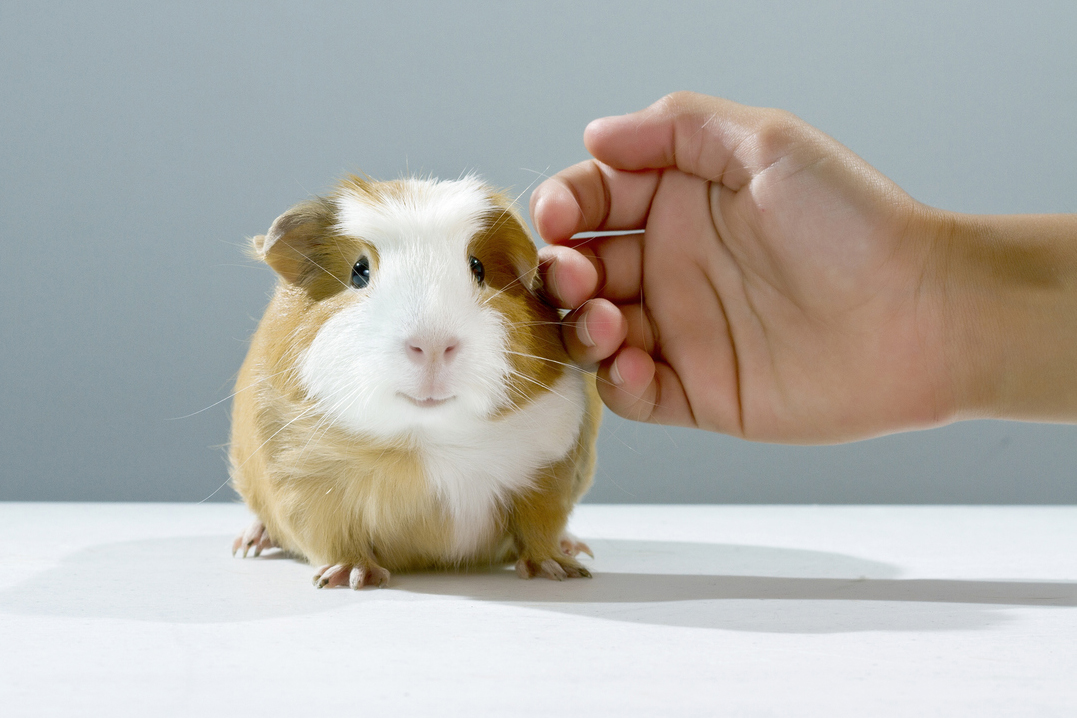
point(293, 239)
point(506, 231)
point(527, 269)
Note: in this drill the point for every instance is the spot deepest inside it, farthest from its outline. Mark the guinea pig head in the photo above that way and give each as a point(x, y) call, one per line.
point(423, 305)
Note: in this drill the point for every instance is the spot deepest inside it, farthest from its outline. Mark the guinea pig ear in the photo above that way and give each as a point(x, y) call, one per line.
point(506, 230)
point(527, 269)
point(294, 238)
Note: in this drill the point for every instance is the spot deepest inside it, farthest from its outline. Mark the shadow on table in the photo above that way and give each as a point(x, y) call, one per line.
point(753, 588)
point(745, 588)
point(771, 605)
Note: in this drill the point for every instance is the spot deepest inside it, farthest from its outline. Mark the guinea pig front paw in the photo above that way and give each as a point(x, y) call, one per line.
point(255, 537)
point(556, 568)
point(355, 575)
point(572, 546)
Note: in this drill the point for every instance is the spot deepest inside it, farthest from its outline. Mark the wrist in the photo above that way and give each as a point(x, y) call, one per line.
point(1007, 304)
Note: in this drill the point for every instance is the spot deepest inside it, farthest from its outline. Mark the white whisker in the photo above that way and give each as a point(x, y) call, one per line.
point(230, 396)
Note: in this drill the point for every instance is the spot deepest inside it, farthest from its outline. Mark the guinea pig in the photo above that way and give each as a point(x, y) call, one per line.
point(407, 402)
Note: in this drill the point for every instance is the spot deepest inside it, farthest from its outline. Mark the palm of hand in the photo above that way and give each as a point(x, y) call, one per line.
point(791, 297)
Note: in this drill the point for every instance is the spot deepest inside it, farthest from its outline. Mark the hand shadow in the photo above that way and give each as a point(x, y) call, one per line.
point(753, 588)
point(718, 586)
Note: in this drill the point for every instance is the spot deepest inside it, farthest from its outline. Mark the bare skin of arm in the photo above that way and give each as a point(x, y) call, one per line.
point(784, 290)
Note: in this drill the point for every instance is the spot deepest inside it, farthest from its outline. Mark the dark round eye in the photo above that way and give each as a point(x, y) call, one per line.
point(477, 269)
point(361, 273)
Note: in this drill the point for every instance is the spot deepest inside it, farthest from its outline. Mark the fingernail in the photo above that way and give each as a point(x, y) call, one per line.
point(538, 198)
point(615, 375)
point(596, 123)
point(582, 333)
point(550, 278)
point(538, 211)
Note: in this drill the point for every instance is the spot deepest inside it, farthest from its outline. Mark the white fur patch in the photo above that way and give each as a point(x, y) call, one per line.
point(478, 467)
point(449, 211)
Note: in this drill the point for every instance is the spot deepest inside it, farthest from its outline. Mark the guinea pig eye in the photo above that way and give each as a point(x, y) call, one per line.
point(361, 273)
point(477, 269)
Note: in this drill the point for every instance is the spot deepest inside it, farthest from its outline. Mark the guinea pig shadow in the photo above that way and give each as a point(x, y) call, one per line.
point(752, 588)
point(184, 579)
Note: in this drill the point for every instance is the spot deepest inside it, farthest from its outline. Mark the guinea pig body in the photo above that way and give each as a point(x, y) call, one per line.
point(407, 401)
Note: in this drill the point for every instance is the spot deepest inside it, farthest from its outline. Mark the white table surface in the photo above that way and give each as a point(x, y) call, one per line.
point(139, 609)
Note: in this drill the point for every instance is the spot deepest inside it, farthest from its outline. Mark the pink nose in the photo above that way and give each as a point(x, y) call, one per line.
point(428, 350)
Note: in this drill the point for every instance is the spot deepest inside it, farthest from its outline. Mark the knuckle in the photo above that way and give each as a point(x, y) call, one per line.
point(593, 197)
point(778, 131)
point(680, 102)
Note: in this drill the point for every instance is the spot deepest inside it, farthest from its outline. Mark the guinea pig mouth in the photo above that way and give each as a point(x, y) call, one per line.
point(427, 402)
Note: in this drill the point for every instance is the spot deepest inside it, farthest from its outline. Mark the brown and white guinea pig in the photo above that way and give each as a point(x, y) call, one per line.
point(407, 402)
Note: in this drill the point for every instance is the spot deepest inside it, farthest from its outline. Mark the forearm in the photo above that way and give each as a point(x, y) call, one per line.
point(1010, 307)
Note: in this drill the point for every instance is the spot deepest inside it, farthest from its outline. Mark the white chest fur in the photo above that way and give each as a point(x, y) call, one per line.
point(475, 469)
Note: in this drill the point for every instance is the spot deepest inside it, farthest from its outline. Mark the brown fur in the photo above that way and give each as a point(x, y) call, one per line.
point(334, 498)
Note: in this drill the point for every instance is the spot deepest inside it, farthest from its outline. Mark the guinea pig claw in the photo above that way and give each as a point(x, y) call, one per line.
point(330, 575)
point(255, 537)
point(367, 576)
point(551, 569)
point(572, 546)
point(576, 571)
point(555, 569)
point(355, 576)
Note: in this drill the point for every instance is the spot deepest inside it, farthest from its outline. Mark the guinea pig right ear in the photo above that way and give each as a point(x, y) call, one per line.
point(294, 239)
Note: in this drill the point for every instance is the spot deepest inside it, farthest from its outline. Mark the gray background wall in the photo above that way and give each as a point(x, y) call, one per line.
point(143, 142)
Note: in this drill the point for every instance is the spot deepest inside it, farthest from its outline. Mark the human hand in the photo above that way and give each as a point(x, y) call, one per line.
point(782, 289)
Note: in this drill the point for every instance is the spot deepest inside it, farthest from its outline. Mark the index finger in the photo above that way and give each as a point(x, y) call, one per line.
point(710, 137)
point(592, 197)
